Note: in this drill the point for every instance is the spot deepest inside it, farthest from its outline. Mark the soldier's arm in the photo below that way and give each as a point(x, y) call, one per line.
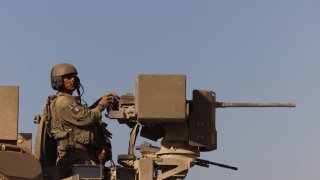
point(77, 114)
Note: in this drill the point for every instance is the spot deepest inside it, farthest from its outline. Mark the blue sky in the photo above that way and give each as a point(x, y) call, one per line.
point(248, 50)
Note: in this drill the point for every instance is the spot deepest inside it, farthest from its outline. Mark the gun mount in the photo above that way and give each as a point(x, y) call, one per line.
point(187, 127)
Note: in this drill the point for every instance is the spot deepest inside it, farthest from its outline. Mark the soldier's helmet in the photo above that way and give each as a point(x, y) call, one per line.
point(57, 73)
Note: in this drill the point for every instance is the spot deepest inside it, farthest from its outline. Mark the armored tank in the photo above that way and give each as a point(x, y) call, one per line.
point(157, 110)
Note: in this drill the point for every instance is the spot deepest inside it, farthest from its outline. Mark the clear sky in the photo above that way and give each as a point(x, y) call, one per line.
point(251, 51)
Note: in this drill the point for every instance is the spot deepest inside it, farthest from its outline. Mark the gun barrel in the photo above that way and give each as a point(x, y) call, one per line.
point(205, 163)
point(232, 104)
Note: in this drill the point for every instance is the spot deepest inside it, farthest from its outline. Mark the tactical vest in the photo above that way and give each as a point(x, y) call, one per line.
point(67, 134)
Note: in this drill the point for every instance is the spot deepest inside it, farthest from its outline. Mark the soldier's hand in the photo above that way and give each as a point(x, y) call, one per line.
point(107, 100)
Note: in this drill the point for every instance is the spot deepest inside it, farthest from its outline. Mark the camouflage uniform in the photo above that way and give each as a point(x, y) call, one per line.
point(77, 130)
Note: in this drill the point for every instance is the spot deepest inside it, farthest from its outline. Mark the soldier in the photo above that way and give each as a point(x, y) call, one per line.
point(81, 136)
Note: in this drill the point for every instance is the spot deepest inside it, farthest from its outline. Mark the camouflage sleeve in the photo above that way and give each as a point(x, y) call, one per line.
point(71, 111)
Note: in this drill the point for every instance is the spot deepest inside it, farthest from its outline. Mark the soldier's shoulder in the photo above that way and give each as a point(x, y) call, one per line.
point(62, 100)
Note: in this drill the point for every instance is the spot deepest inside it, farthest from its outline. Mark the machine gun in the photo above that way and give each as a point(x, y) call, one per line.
point(187, 127)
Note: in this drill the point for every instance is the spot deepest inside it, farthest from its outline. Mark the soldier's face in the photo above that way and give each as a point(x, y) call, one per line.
point(69, 82)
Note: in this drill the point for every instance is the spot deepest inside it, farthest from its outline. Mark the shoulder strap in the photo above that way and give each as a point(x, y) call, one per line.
point(48, 114)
